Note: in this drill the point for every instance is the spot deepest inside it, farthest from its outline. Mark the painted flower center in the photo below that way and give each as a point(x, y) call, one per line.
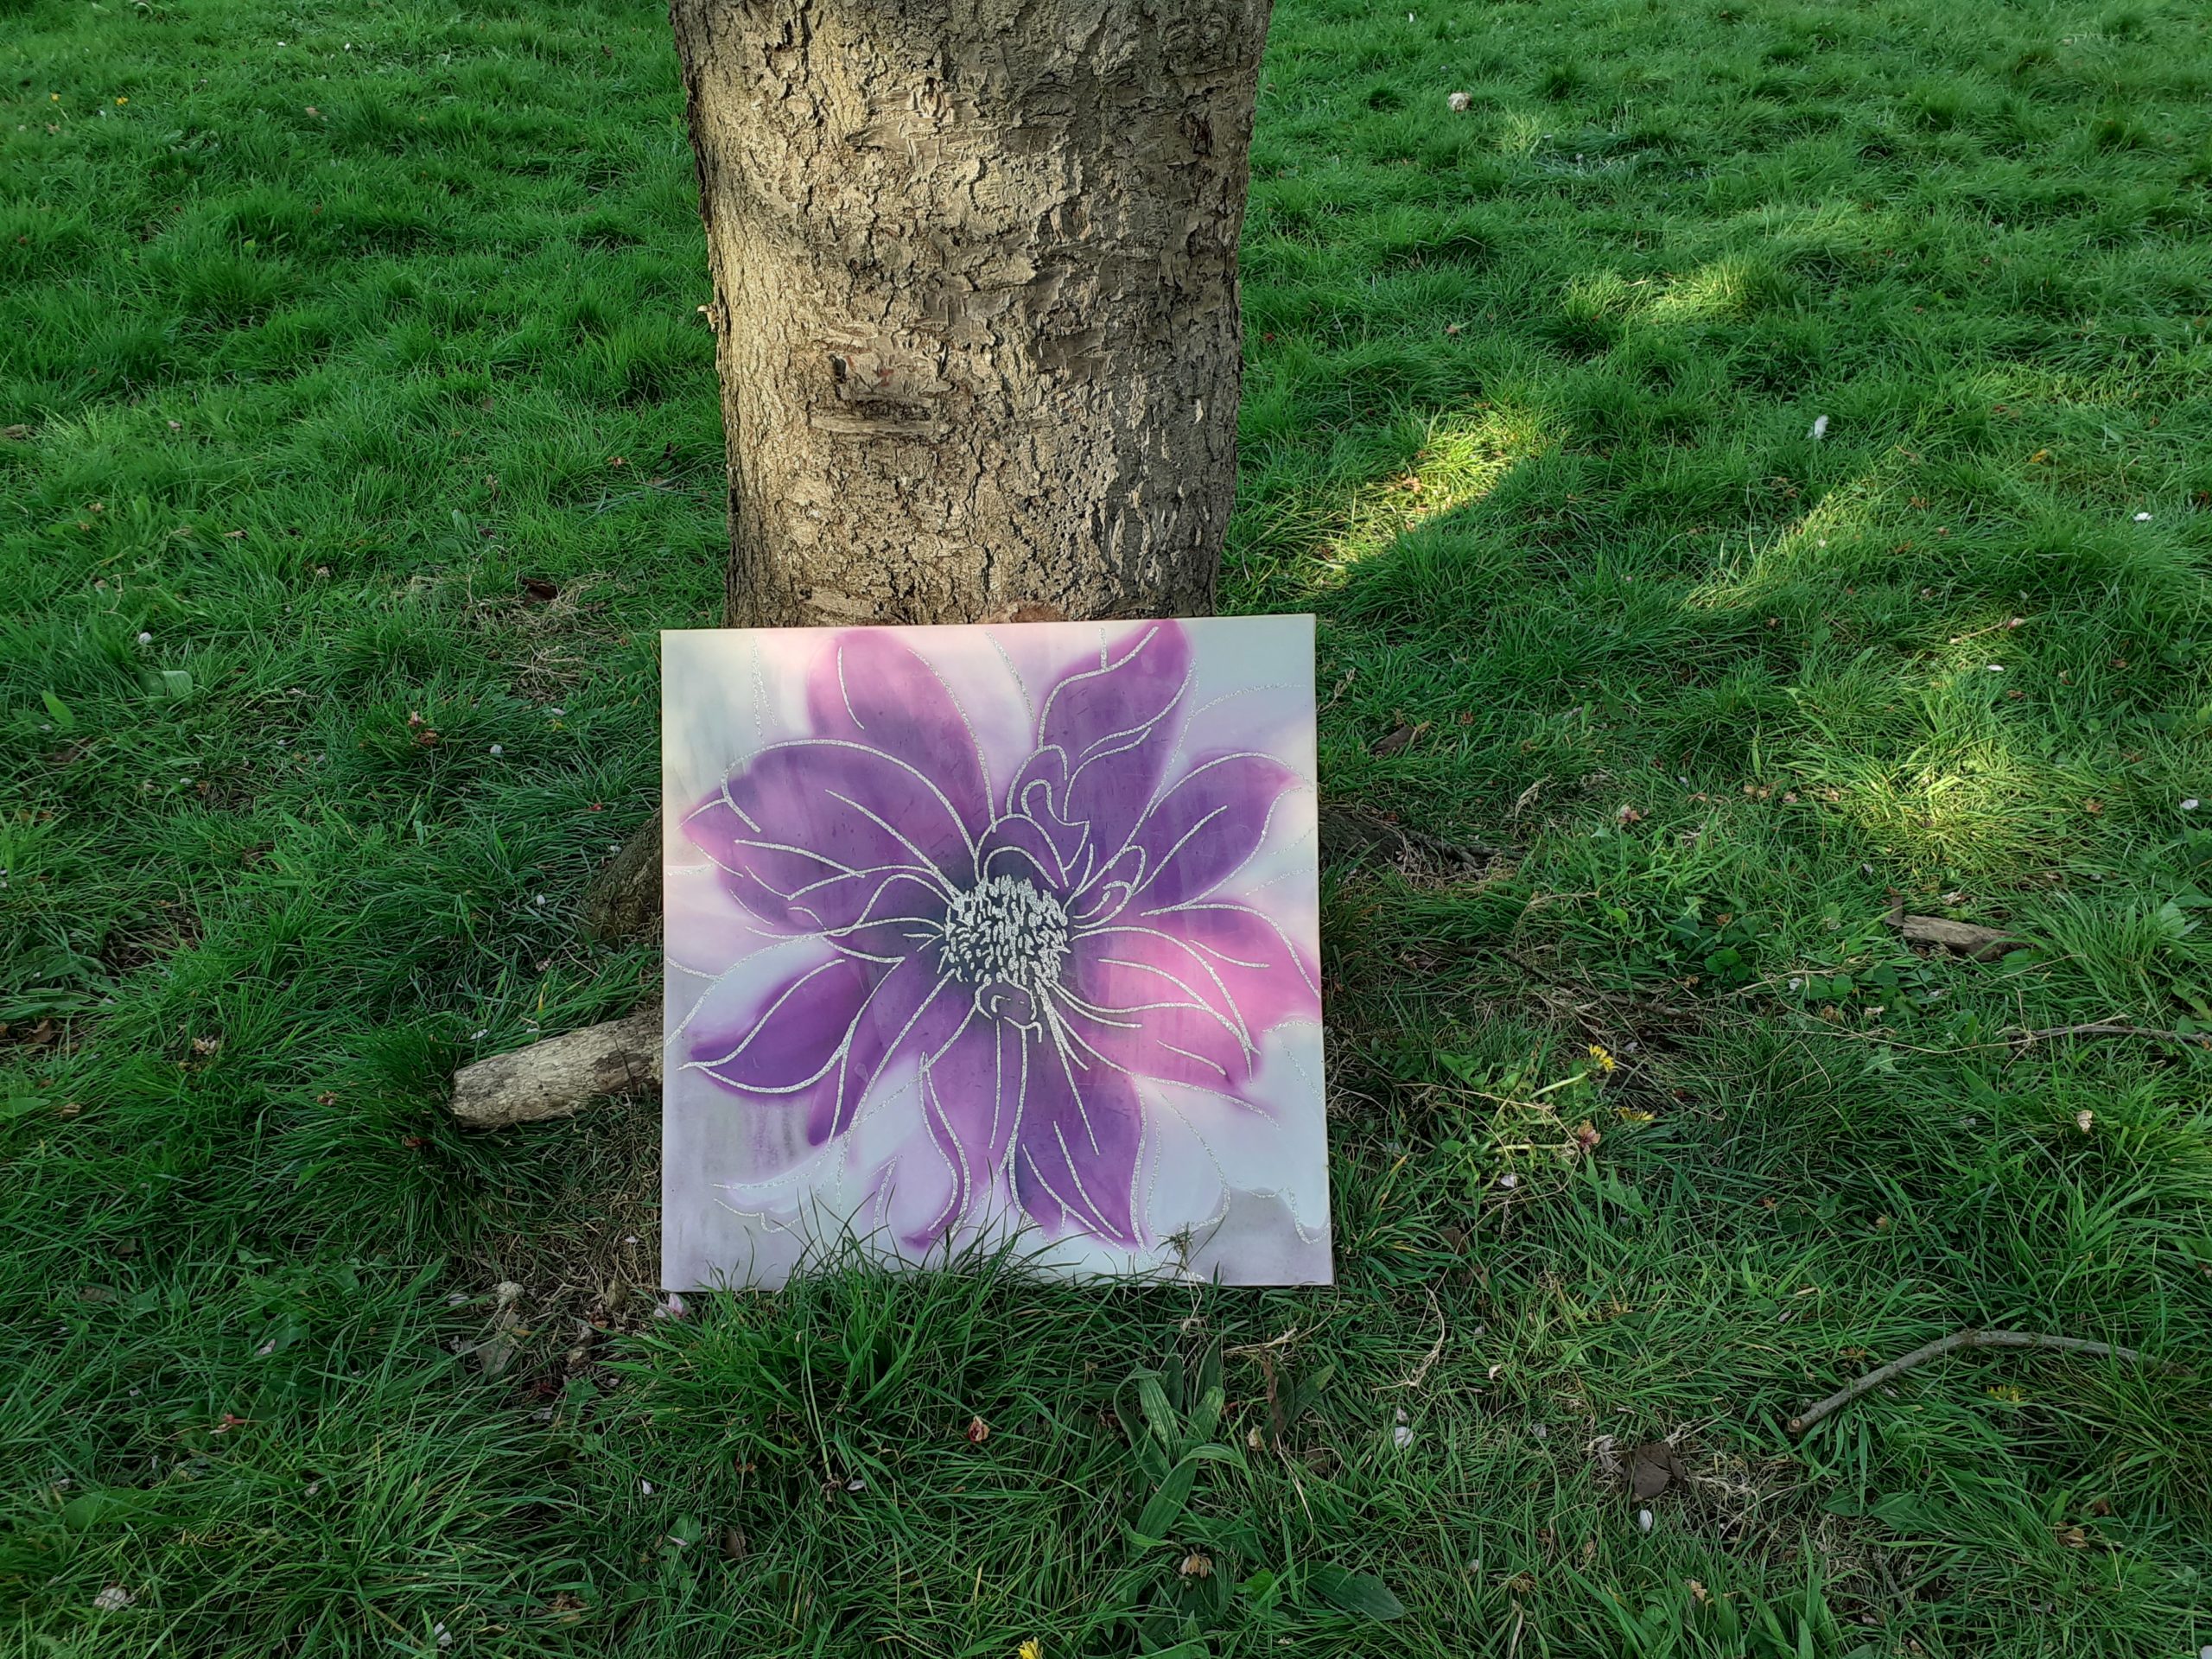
point(1004, 931)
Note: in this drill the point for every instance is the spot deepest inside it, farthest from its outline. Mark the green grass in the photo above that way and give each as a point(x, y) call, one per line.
point(328, 338)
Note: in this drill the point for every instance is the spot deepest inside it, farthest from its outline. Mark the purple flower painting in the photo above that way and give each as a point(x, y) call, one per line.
point(994, 933)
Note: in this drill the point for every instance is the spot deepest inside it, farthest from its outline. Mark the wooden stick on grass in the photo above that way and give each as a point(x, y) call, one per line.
point(1941, 1346)
point(555, 1077)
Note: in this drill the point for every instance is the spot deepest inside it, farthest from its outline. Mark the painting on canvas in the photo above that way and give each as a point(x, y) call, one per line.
point(994, 934)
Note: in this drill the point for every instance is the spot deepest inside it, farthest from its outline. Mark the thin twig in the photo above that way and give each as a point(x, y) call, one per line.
point(1256, 1348)
point(2020, 1038)
point(1421, 1371)
point(2115, 1028)
point(1941, 1346)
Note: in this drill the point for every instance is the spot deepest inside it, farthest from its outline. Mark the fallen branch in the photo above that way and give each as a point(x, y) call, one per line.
point(1942, 1346)
point(556, 1076)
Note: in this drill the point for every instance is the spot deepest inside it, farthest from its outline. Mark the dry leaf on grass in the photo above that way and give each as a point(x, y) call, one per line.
point(1651, 1469)
point(1400, 737)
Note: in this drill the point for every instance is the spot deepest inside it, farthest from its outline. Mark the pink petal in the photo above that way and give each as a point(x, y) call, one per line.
point(1185, 995)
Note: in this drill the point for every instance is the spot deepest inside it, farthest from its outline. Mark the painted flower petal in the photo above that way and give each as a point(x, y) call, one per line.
point(1103, 737)
point(871, 688)
point(1137, 997)
point(814, 835)
point(1265, 975)
point(794, 1038)
point(1186, 997)
point(1201, 832)
point(913, 1011)
point(819, 1040)
point(1022, 847)
point(1077, 1146)
point(971, 1099)
point(1037, 803)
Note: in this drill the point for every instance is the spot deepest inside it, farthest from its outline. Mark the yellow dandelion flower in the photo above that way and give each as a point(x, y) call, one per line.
point(1031, 1648)
point(120, 102)
point(1605, 1062)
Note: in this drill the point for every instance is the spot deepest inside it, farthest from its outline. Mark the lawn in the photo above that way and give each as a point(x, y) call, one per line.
point(1754, 461)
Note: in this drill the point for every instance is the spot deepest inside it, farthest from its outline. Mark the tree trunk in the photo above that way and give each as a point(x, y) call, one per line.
point(975, 300)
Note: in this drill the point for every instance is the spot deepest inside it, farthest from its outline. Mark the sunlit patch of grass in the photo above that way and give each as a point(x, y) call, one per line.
point(1955, 806)
point(1731, 289)
point(1461, 460)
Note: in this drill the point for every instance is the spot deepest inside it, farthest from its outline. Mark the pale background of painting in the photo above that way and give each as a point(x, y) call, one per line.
point(744, 1197)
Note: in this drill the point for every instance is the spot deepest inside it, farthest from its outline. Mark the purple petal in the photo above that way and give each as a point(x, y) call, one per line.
point(794, 1039)
point(914, 1011)
point(817, 834)
point(871, 688)
point(971, 1098)
point(1110, 890)
point(1020, 846)
point(1076, 1150)
point(1038, 803)
point(819, 1040)
point(1201, 832)
point(1104, 734)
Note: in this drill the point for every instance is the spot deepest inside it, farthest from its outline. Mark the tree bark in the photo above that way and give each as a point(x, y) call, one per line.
point(976, 298)
point(623, 901)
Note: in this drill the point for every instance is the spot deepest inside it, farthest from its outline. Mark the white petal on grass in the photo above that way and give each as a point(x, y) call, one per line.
point(1643, 1520)
point(113, 1599)
point(1458, 100)
point(1820, 427)
point(2192, 804)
